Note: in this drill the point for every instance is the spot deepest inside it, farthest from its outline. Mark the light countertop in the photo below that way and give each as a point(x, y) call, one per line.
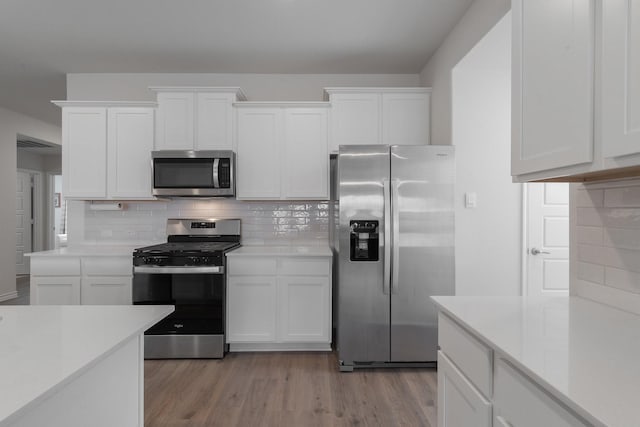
point(586, 354)
point(266, 250)
point(44, 347)
point(93, 250)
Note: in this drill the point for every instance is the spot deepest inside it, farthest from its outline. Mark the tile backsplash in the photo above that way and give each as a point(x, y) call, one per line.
point(607, 235)
point(276, 223)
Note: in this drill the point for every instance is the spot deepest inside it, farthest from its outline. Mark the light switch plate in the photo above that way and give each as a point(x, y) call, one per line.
point(470, 200)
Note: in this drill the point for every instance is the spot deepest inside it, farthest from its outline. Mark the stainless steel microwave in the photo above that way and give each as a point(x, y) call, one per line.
point(205, 173)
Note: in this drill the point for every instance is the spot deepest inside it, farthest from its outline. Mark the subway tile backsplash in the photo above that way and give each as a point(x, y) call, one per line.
point(273, 223)
point(607, 235)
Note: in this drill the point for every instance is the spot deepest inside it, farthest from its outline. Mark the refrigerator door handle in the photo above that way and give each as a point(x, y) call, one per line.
point(395, 233)
point(387, 237)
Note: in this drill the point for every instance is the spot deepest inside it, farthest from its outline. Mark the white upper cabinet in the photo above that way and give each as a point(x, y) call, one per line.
point(282, 151)
point(258, 153)
point(195, 118)
point(576, 91)
point(621, 79)
point(84, 151)
point(553, 84)
point(129, 144)
point(176, 121)
point(405, 118)
point(378, 116)
point(355, 118)
point(106, 149)
point(306, 169)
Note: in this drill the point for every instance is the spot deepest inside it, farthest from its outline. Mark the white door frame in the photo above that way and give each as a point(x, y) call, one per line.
point(525, 241)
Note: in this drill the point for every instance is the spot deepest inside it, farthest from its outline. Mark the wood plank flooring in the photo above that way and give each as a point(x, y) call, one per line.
point(285, 389)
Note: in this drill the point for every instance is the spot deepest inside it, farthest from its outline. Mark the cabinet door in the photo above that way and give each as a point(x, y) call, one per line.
point(405, 118)
point(520, 402)
point(620, 78)
point(259, 133)
point(459, 403)
point(84, 152)
point(303, 304)
point(251, 309)
point(60, 290)
point(130, 141)
point(174, 130)
point(306, 166)
point(355, 119)
point(106, 290)
point(553, 84)
point(214, 121)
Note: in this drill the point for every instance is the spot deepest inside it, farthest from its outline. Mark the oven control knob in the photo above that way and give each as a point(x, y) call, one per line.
point(195, 260)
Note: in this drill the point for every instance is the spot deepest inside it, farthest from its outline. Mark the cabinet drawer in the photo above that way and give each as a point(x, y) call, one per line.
point(459, 402)
point(520, 402)
point(251, 266)
point(467, 352)
point(305, 266)
point(55, 266)
point(107, 266)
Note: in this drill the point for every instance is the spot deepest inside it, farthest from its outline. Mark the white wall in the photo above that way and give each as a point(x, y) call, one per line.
point(257, 87)
point(12, 124)
point(481, 16)
point(488, 237)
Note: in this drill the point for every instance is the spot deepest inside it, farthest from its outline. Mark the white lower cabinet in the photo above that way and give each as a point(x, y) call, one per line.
point(251, 309)
point(95, 280)
point(460, 403)
point(520, 402)
point(106, 290)
point(304, 314)
point(54, 290)
point(279, 303)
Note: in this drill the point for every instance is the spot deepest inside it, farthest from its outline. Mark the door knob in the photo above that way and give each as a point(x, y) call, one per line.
point(536, 251)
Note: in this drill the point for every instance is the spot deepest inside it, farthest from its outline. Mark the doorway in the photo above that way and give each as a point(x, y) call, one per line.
point(24, 219)
point(37, 162)
point(546, 239)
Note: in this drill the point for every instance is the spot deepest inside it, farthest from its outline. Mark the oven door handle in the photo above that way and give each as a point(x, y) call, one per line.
point(179, 270)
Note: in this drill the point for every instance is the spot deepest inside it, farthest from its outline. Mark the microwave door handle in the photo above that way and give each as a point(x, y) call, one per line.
point(216, 166)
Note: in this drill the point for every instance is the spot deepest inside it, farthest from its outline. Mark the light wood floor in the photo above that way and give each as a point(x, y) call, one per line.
point(285, 389)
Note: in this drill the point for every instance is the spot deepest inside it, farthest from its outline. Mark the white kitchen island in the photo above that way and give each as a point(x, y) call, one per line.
point(554, 361)
point(67, 366)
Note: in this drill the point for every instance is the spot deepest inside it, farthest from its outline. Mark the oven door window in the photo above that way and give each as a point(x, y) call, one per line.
point(198, 301)
point(183, 173)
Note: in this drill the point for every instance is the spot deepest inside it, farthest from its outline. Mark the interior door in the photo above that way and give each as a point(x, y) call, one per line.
point(547, 239)
point(422, 181)
point(24, 221)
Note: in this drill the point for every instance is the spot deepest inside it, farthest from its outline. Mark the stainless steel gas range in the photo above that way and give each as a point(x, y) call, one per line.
point(189, 272)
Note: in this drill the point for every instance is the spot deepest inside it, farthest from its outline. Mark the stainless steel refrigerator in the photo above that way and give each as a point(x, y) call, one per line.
point(395, 249)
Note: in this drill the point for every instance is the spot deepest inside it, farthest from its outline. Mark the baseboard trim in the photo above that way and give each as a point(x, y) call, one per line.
point(8, 296)
point(240, 347)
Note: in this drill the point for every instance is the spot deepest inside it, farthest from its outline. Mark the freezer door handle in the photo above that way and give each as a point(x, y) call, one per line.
point(387, 237)
point(395, 233)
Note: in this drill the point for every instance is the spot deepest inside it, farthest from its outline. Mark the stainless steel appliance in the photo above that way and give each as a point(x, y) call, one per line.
point(189, 272)
point(193, 173)
point(395, 250)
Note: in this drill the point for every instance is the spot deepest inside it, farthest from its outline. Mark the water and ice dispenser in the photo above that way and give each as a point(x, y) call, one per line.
point(364, 240)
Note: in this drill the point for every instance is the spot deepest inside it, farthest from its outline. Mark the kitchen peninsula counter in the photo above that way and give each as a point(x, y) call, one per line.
point(582, 353)
point(73, 365)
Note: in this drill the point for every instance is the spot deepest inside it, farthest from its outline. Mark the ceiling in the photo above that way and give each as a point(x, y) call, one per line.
point(42, 40)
